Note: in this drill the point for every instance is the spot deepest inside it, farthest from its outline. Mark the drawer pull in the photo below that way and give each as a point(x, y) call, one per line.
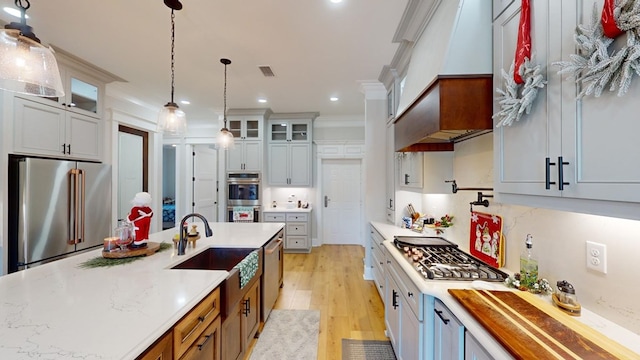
point(206, 340)
point(439, 313)
point(201, 320)
point(394, 300)
point(410, 294)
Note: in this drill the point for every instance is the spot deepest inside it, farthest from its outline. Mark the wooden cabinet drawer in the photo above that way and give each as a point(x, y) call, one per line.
point(189, 329)
point(274, 217)
point(297, 242)
point(302, 217)
point(297, 229)
point(207, 345)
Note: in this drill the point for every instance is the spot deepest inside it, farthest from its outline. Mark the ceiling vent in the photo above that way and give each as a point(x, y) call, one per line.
point(266, 71)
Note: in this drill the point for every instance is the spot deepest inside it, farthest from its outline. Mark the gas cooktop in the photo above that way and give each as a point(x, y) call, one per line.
point(436, 258)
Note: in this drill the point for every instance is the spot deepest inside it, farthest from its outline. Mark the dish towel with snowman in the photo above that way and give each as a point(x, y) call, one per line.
point(487, 240)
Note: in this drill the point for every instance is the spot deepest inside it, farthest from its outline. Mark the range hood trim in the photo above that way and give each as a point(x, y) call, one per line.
point(461, 104)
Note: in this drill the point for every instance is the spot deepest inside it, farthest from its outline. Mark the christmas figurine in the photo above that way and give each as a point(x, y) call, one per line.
point(140, 217)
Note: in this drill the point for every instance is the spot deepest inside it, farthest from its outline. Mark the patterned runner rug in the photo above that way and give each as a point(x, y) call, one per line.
point(289, 334)
point(367, 350)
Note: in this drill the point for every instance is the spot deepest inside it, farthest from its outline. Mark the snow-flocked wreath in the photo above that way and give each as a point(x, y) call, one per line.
point(514, 102)
point(523, 80)
point(594, 66)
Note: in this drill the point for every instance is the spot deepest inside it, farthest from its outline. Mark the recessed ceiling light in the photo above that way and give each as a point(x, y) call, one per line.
point(14, 12)
point(185, 102)
point(333, 98)
point(262, 100)
point(336, 1)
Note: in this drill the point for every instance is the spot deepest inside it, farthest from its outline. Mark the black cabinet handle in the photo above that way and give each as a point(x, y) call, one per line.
point(547, 177)
point(64, 148)
point(68, 148)
point(410, 294)
point(247, 307)
point(394, 300)
point(561, 182)
point(406, 179)
point(439, 313)
point(206, 340)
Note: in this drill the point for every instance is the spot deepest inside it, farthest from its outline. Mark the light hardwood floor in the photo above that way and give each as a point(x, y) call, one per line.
point(330, 279)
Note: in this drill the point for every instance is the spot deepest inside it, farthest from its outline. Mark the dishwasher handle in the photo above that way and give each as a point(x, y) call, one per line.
point(274, 247)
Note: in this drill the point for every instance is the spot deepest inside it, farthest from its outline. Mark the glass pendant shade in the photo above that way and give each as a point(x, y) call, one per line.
point(172, 120)
point(225, 139)
point(27, 66)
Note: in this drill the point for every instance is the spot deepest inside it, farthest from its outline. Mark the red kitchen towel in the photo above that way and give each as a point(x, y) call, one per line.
point(486, 239)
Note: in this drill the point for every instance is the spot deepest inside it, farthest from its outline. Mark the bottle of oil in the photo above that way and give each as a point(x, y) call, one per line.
point(528, 265)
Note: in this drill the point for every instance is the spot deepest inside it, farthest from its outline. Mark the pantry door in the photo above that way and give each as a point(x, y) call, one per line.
point(342, 201)
point(205, 182)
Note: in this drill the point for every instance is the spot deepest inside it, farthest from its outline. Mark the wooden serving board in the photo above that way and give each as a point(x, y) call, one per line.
point(150, 249)
point(530, 328)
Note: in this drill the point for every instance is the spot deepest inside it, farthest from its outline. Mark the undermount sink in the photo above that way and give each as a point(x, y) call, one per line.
point(224, 259)
point(215, 259)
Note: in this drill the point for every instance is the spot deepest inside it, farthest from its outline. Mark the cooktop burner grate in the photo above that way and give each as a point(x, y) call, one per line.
point(439, 259)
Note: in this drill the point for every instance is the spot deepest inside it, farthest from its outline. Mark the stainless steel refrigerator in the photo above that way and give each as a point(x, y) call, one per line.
point(56, 208)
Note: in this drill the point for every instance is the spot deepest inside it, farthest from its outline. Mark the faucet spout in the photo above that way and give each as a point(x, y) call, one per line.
point(182, 243)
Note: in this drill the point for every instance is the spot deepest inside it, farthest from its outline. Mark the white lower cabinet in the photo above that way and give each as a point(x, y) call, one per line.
point(297, 229)
point(377, 260)
point(448, 341)
point(473, 350)
point(404, 313)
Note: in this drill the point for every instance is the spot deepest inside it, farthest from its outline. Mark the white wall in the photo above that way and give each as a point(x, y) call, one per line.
point(558, 238)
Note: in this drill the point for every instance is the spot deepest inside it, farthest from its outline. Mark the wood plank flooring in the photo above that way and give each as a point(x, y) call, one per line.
point(330, 279)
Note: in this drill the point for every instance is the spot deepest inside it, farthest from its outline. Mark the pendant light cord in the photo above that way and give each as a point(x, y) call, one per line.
point(173, 39)
point(224, 109)
point(23, 10)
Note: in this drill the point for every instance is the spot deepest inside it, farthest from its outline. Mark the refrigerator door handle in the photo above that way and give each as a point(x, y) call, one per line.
point(74, 203)
point(80, 215)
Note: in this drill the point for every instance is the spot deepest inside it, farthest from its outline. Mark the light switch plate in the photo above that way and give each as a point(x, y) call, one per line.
point(597, 257)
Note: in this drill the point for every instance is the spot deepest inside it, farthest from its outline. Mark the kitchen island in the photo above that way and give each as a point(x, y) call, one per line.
point(436, 291)
point(61, 310)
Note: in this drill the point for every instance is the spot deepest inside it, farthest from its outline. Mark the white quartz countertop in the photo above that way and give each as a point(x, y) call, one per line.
point(63, 311)
point(439, 289)
point(284, 209)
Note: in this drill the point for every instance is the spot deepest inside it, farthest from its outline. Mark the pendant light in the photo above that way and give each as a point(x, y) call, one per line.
point(27, 66)
point(171, 119)
point(225, 137)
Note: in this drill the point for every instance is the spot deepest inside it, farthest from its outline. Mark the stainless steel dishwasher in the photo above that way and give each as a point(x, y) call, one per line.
point(272, 273)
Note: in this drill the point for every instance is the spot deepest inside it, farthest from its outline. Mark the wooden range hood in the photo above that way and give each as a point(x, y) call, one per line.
point(452, 108)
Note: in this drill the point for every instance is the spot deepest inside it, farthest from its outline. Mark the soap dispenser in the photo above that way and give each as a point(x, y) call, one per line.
point(528, 265)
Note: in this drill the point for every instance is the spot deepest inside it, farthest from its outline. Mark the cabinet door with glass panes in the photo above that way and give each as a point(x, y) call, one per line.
point(244, 128)
point(290, 131)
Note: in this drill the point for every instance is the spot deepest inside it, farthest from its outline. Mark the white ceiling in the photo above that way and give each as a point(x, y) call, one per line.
point(317, 49)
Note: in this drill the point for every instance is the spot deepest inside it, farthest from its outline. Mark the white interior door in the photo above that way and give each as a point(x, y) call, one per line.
point(342, 199)
point(130, 170)
point(205, 184)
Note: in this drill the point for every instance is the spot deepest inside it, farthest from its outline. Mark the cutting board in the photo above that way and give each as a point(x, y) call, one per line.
point(530, 328)
point(150, 249)
point(486, 238)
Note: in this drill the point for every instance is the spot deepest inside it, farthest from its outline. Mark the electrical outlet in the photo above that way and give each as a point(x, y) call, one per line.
point(597, 257)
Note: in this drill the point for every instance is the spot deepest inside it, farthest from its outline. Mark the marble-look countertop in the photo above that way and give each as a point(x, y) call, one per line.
point(284, 209)
point(439, 289)
point(62, 311)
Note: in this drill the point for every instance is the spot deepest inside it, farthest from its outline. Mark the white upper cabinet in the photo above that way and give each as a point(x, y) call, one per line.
point(569, 149)
point(246, 125)
point(289, 149)
point(69, 126)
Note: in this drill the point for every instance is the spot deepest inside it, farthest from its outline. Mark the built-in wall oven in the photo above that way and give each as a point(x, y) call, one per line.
point(243, 196)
